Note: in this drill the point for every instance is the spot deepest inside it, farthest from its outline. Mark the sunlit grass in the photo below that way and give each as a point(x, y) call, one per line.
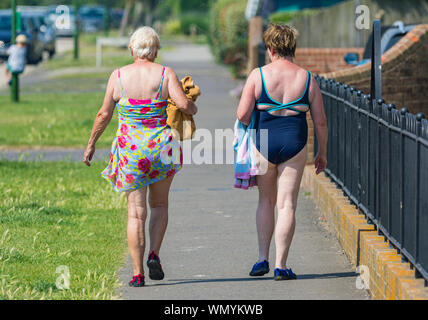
point(59, 214)
point(113, 57)
point(104, 76)
point(52, 120)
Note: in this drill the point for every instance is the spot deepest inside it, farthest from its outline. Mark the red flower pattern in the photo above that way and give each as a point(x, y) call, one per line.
point(144, 165)
point(129, 179)
point(122, 141)
point(148, 141)
point(124, 129)
point(154, 174)
point(151, 144)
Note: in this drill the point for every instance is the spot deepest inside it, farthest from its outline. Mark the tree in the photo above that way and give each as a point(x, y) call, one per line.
point(126, 14)
point(138, 14)
point(149, 8)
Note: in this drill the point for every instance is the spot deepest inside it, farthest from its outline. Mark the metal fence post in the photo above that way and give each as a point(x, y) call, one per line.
point(390, 108)
point(403, 113)
point(419, 118)
point(345, 111)
point(378, 109)
point(359, 102)
point(376, 70)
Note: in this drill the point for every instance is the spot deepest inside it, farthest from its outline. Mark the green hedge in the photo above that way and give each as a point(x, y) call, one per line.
point(228, 35)
point(287, 16)
point(198, 19)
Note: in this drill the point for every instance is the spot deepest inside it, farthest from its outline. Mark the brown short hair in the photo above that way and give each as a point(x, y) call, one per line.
point(281, 39)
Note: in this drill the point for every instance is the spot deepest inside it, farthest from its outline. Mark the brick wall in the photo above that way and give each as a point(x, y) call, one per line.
point(404, 72)
point(381, 267)
point(324, 60)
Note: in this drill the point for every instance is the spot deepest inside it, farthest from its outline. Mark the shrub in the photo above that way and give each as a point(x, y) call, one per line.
point(172, 28)
point(229, 33)
point(287, 16)
point(198, 19)
point(282, 17)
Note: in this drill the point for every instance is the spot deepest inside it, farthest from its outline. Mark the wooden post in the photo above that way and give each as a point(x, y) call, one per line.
point(255, 40)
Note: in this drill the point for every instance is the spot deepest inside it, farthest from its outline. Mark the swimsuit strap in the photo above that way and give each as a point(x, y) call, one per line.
point(285, 107)
point(122, 92)
point(302, 101)
point(161, 85)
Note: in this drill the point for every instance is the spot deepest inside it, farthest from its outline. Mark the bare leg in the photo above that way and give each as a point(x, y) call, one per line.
point(265, 219)
point(137, 214)
point(158, 200)
point(290, 175)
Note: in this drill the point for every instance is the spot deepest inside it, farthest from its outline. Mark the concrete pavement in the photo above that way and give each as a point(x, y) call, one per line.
point(211, 242)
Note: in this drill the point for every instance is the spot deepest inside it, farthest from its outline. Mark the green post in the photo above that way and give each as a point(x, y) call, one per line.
point(14, 89)
point(107, 18)
point(76, 30)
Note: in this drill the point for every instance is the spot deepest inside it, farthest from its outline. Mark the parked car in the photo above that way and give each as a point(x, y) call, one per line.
point(93, 18)
point(46, 34)
point(116, 16)
point(56, 15)
point(390, 36)
point(34, 46)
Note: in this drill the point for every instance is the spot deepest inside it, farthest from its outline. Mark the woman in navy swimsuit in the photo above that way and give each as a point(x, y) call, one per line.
point(281, 93)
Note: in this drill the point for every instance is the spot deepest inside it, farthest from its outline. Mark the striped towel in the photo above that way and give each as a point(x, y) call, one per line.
point(246, 168)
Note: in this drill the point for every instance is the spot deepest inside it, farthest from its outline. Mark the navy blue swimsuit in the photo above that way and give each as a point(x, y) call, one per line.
point(287, 135)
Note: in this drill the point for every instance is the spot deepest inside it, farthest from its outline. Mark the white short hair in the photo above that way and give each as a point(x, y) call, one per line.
point(145, 43)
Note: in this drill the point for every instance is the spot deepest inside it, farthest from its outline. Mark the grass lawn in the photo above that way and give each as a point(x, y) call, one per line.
point(112, 56)
point(52, 120)
point(59, 214)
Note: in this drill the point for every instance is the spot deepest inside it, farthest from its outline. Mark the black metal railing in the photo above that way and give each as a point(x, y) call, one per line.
point(378, 156)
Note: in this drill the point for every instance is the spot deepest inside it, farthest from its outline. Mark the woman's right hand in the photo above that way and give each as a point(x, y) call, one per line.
point(88, 155)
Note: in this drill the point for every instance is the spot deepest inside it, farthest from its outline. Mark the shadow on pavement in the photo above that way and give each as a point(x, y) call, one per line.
point(299, 277)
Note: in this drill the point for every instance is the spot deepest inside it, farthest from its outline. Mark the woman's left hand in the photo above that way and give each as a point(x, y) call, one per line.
point(89, 153)
point(320, 163)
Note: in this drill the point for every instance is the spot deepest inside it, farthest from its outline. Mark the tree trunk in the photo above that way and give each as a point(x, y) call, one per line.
point(139, 14)
point(150, 6)
point(126, 14)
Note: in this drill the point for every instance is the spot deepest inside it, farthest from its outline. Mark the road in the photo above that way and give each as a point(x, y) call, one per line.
point(211, 242)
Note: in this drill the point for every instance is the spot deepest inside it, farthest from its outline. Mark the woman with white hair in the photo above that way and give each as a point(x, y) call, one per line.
point(145, 156)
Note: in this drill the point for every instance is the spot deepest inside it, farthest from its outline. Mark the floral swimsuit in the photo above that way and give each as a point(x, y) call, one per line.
point(144, 150)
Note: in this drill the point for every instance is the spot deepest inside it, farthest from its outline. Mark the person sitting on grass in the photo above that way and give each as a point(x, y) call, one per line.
point(17, 58)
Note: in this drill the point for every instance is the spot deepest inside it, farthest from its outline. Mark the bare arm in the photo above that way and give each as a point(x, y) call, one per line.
point(320, 124)
point(176, 93)
point(102, 119)
point(248, 99)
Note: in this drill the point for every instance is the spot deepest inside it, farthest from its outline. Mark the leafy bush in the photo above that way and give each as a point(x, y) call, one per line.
point(229, 33)
point(282, 17)
point(198, 19)
point(287, 16)
point(172, 28)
